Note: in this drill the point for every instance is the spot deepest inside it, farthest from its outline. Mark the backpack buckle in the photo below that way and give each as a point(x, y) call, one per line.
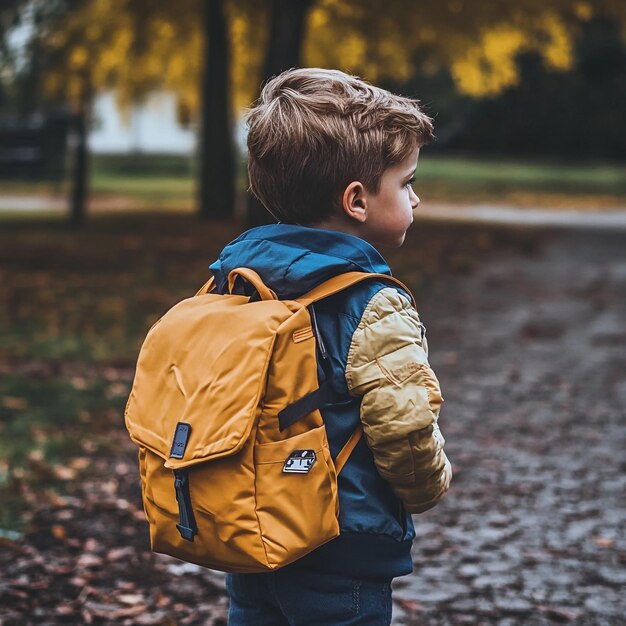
point(300, 462)
point(187, 523)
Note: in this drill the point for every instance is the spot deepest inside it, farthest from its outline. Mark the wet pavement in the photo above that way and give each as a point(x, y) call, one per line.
point(530, 349)
point(488, 214)
point(523, 216)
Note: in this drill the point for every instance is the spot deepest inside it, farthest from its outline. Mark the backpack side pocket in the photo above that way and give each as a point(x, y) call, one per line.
point(296, 495)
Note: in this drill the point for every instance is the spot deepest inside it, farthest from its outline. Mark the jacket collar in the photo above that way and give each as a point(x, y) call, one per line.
point(293, 259)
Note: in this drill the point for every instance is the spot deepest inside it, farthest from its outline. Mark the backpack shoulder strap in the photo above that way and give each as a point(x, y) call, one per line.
point(343, 281)
point(208, 287)
point(328, 288)
point(265, 293)
point(346, 451)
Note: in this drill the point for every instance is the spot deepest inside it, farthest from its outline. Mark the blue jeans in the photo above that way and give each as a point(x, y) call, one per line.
point(292, 597)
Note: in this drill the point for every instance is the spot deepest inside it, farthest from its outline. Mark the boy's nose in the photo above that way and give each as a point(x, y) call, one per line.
point(414, 200)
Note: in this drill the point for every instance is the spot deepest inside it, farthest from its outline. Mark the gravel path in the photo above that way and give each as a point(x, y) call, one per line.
point(531, 352)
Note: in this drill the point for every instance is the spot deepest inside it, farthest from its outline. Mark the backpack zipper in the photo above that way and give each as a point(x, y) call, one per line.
point(316, 332)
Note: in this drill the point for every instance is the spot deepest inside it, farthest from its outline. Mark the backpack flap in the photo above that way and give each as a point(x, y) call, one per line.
point(199, 380)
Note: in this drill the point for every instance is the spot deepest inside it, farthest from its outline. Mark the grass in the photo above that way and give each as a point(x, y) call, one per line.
point(521, 183)
point(90, 294)
point(162, 181)
point(51, 424)
point(549, 175)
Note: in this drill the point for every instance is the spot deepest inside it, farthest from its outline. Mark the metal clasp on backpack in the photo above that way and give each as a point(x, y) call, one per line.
point(300, 462)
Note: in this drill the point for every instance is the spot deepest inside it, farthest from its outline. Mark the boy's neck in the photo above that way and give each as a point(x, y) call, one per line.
point(340, 224)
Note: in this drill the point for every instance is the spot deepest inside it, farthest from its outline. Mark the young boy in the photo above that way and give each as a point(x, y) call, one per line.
point(332, 158)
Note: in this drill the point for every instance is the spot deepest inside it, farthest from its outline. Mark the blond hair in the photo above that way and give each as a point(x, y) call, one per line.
point(313, 131)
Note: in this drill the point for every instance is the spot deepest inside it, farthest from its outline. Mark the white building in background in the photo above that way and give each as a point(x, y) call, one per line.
point(151, 127)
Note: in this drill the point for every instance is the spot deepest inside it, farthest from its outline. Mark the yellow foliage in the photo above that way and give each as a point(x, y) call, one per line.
point(426, 34)
point(94, 42)
point(583, 10)
point(79, 58)
point(557, 51)
point(340, 35)
point(318, 18)
point(248, 26)
point(489, 66)
point(110, 44)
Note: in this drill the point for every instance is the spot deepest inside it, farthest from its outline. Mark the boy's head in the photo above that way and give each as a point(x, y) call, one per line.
point(313, 132)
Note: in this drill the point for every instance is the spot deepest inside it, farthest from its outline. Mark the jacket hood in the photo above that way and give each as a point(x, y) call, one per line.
point(291, 259)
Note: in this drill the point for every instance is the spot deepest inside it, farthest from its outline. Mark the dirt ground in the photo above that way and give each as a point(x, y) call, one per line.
point(529, 342)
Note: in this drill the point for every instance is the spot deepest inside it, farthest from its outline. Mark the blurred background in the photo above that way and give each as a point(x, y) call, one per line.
point(122, 175)
point(120, 105)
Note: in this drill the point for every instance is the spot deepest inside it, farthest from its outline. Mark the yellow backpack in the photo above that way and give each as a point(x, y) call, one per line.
point(235, 467)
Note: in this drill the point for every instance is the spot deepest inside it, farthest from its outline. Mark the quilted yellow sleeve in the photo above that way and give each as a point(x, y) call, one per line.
point(388, 366)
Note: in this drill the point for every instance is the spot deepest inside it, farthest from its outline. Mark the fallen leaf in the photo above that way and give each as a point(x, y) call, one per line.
point(15, 403)
point(409, 606)
point(117, 554)
point(64, 609)
point(80, 463)
point(62, 472)
point(130, 598)
point(59, 532)
point(160, 618)
point(89, 560)
point(603, 542)
point(560, 613)
point(59, 569)
point(91, 545)
point(111, 611)
point(36, 456)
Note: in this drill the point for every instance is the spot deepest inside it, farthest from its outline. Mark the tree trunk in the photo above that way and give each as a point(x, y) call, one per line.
point(216, 167)
point(80, 166)
point(284, 50)
point(79, 173)
point(288, 19)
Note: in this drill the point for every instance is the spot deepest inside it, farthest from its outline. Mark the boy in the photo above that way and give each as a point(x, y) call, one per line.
point(332, 159)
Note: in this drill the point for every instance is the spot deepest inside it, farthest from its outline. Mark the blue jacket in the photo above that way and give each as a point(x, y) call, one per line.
point(376, 531)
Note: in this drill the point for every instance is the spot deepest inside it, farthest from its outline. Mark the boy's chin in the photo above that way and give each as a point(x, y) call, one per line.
point(391, 243)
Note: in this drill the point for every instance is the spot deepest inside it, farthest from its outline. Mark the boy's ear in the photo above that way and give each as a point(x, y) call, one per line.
point(354, 203)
